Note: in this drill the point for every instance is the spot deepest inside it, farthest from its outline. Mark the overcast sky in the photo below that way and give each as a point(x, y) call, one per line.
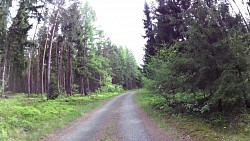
point(121, 20)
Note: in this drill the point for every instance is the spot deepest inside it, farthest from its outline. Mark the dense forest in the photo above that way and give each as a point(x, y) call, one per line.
point(197, 55)
point(56, 65)
point(54, 47)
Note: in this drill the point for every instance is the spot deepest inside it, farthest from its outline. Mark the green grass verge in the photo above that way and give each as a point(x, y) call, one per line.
point(192, 126)
point(23, 119)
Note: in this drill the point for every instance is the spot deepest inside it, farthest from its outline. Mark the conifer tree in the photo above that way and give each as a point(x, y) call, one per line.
point(150, 48)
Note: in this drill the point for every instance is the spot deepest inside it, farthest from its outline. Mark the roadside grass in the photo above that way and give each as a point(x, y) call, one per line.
point(23, 119)
point(195, 127)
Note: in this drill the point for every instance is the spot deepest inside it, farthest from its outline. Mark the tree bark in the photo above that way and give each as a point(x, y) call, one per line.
point(5, 65)
point(38, 71)
point(43, 63)
point(81, 85)
point(50, 51)
point(59, 67)
point(4, 73)
point(69, 74)
point(30, 62)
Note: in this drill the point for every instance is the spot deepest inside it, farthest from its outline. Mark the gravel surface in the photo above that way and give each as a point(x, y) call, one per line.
point(87, 130)
point(131, 125)
point(118, 120)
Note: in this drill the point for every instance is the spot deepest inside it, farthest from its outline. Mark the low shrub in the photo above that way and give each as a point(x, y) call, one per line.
point(21, 118)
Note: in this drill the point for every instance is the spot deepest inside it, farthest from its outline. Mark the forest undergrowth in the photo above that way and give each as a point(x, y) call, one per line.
point(25, 119)
point(199, 127)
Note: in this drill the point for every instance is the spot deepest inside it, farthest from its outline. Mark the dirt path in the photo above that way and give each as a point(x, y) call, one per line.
point(118, 120)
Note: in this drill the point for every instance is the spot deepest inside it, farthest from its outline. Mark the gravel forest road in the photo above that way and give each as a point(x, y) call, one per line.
point(117, 120)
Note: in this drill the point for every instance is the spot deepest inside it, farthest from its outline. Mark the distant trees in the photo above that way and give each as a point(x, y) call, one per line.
point(67, 53)
point(15, 44)
point(202, 52)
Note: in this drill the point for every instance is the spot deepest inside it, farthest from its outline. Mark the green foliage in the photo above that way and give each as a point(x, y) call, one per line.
point(26, 116)
point(81, 57)
point(21, 118)
point(149, 84)
point(98, 64)
point(111, 88)
point(107, 86)
point(209, 127)
point(204, 57)
point(3, 131)
point(124, 70)
point(53, 91)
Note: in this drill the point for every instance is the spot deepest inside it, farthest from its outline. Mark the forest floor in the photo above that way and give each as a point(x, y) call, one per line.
point(120, 119)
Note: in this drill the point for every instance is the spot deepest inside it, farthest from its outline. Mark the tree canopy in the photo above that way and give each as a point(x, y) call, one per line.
point(66, 54)
point(200, 50)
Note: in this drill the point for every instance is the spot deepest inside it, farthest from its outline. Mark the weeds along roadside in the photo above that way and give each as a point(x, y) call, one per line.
point(194, 126)
point(25, 119)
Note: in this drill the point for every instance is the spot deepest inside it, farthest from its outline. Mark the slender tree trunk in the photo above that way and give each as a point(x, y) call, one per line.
point(63, 78)
point(38, 71)
point(69, 74)
point(30, 62)
point(5, 65)
point(71, 77)
point(29, 72)
point(50, 51)
point(4, 74)
point(43, 63)
point(14, 81)
point(85, 85)
point(81, 85)
point(59, 67)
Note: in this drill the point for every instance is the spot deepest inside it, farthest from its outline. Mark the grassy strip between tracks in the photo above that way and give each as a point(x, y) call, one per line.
point(192, 126)
point(23, 119)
